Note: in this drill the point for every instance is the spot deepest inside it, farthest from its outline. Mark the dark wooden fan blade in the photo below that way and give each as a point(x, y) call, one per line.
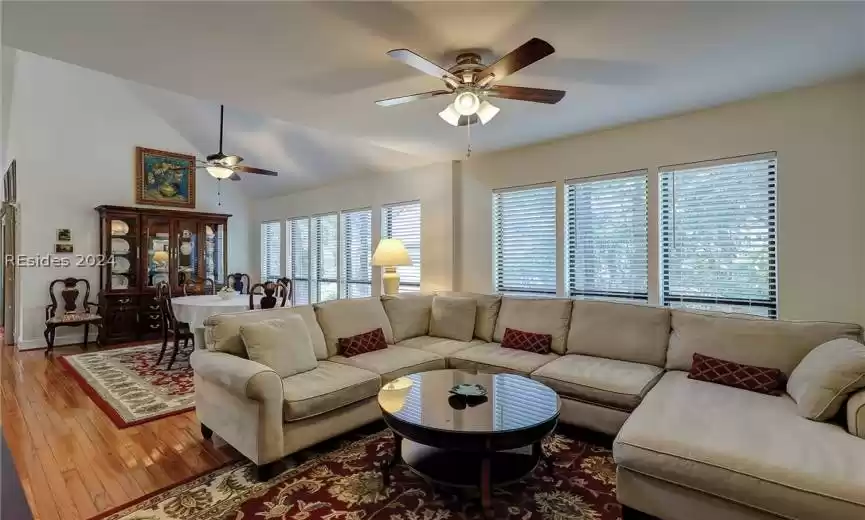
point(519, 58)
point(420, 63)
point(235, 176)
point(414, 97)
point(537, 95)
point(250, 169)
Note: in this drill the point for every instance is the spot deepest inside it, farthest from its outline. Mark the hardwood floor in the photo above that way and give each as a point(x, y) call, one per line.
point(73, 462)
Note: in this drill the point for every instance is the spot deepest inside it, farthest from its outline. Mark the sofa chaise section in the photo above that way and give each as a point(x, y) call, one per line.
point(743, 447)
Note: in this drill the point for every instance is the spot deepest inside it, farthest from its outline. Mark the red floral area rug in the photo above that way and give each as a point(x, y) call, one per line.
point(128, 386)
point(577, 484)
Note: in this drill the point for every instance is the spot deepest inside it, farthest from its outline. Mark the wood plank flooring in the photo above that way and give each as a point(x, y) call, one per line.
point(73, 462)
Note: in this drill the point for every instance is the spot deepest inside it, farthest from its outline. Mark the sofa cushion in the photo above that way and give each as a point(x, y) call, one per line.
point(765, 343)
point(746, 377)
point(327, 387)
point(222, 331)
point(491, 357)
point(743, 446)
point(629, 332)
point(528, 341)
point(281, 344)
point(441, 346)
point(346, 318)
point(409, 314)
point(486, 313)
point(394, 362)
point(452, 317)
point(856, 414)
point(541, 315)
point(361, 343)
point(822, 381)
point(619, 384)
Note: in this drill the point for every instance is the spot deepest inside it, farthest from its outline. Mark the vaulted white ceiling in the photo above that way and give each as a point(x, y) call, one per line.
point(300, 79)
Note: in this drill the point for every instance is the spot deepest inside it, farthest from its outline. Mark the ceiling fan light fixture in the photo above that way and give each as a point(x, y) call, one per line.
point(467, 103)
point(219, 172)
point(450, 115)
point(231, 160)
point(487, 111)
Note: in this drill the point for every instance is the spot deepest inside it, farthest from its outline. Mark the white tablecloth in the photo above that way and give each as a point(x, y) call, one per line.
point(195, 309)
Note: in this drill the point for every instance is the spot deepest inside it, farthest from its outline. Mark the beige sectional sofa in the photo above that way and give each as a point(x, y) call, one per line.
point(685, 449)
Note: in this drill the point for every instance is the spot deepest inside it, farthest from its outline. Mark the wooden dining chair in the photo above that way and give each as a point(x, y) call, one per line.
point(73, 310)
point(289, 287)
point(271, 291)
point(194, 287)
point(178, 330)
point(236, 282)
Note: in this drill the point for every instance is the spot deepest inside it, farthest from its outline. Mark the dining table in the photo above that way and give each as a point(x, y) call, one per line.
point(195, 309)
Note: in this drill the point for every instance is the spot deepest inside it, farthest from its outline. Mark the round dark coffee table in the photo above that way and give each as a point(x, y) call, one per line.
point(468, 442)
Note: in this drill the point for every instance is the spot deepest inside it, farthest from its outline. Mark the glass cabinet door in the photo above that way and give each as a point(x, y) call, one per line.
point(158, 255)
point(214, 253)
point(121, 253)
point(186, 250)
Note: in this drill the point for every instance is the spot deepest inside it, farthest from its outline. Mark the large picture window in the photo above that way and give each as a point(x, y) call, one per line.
point(524, 240)
point(718, 237)
point(607, 237)
point(403, 221)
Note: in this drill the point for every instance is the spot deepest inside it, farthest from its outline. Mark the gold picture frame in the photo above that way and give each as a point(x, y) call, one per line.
point(164, 178)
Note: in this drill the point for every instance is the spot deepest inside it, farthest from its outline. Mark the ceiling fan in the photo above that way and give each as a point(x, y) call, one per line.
point(472, 82)
point(223, 166)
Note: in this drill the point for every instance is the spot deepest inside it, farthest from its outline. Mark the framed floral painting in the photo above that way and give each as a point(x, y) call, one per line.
point(164, 178)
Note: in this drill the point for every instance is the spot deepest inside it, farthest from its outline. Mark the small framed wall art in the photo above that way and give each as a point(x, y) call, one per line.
point(164, 178)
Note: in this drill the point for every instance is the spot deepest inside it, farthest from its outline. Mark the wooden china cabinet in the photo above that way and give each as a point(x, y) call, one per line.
point(146, 246)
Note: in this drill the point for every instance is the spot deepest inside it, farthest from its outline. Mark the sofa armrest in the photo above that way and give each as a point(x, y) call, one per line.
point(856, 414)
point(239, 376)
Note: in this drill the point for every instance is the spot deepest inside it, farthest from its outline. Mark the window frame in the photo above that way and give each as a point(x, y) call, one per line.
point(570, 224)
point(386, 232)
point(344, 282)
point(496, 233)
point(263, 249)
point(669, 299)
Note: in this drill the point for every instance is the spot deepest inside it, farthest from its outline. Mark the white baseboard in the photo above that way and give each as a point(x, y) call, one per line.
point(59, 341)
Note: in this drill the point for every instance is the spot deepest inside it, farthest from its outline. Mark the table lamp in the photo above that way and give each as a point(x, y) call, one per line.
point(389, 254)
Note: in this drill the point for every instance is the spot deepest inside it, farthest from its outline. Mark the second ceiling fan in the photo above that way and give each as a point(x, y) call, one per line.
point(472, 82)
point(221, 166)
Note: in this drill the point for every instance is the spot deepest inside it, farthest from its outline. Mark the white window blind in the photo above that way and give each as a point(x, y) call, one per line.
point(718, 236)
point(403, 221)
point(524, 240)
point(607, 237)
point(356, 279)
point(324, 264)
point(270, 238)
point(297, 254)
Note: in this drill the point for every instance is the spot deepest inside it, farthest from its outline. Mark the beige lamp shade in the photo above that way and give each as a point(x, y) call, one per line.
point(390, 252)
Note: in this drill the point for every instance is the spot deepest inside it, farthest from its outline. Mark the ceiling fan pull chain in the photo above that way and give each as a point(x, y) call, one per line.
point(219, 192)
point(469, 134)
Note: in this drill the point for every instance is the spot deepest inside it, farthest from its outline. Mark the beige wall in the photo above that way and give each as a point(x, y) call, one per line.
point(431, 185)
point(819, 135)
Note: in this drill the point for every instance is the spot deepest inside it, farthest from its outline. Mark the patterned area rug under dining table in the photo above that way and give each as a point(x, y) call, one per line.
point(340, 480)
point(128, 386)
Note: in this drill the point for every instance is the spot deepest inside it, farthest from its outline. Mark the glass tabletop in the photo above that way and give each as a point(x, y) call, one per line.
point(511, 403)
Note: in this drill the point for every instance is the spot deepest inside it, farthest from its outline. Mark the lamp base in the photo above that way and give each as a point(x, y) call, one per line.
point(390, 281)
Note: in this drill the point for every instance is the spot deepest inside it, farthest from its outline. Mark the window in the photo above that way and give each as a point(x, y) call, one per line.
point(297, 254)
point(402, 221)
point(524, 240)
point(718, 240)
point(270, 237)
point(356, 279)
point(324, 243)
point(607, 237)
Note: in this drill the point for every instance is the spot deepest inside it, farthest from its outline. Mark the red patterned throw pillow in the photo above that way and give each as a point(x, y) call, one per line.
point(528, 341)
point(756, 379)
point(361, 343)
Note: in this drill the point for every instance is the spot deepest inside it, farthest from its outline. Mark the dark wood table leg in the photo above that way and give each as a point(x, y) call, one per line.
point(397, 455)
point(86, 334)
point(486, 491)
